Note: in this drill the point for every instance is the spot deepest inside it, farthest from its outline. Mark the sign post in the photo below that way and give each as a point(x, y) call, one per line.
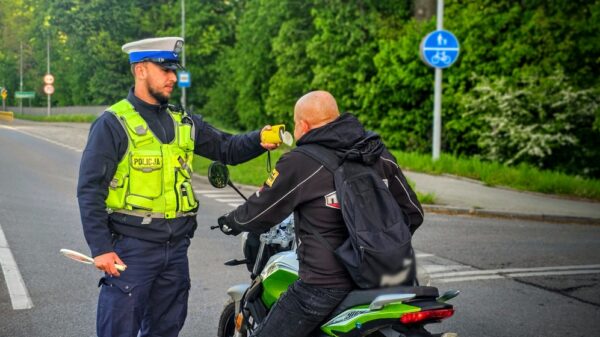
point(4, 94)
point(20, 81)
point(48, 80)
point(24, 94)
point(183, 95)
point(48, 88)
point(439, 49)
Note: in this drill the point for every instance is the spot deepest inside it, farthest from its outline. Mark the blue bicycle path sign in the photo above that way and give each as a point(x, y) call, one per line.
point(440, 49)
point(184, 79)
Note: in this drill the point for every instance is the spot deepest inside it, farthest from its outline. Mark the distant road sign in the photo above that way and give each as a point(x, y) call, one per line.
point(3, 93)
point(440, 49)
point(48, 79)
point(48, 89)
point(24, 94)
point(184, 79)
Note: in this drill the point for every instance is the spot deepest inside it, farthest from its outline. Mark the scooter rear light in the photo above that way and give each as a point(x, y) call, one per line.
point(427, 315)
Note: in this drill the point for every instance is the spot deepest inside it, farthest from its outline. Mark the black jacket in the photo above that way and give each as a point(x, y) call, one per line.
point(302, 185)
point(107, 144)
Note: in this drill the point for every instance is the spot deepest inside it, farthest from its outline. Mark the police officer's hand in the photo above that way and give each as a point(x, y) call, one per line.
point(226, 227)
point(106, 263)
point(268, 146)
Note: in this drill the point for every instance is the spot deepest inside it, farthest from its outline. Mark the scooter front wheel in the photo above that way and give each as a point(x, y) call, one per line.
point(227, 320)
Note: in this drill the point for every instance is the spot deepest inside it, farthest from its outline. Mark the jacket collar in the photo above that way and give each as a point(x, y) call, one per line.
point(144, 107)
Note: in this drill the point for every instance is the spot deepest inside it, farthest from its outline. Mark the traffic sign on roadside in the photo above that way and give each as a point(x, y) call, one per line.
point(3, 93)
point(48, 79)
point(440, 49)
point(24, 94)
point(48, 89)
point(184, 79)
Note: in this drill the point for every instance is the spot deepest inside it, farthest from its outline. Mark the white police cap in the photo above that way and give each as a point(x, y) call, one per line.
point(163, 51)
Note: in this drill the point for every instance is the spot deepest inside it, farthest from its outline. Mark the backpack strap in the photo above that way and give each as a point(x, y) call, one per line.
point(330, 160)
point(323, 155)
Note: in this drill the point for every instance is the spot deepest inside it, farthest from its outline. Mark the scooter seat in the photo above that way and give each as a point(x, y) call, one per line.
point(362, 297)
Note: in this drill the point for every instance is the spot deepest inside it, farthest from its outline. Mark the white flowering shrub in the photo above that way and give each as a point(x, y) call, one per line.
point(539, 120)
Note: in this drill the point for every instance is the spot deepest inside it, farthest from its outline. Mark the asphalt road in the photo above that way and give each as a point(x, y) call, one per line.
point(517, 278)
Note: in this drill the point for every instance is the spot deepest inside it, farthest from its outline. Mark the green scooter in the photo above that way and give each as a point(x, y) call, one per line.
point(270, 257)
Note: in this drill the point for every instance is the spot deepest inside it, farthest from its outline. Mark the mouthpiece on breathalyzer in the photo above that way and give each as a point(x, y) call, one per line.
point(277, 135)
point(287, 138)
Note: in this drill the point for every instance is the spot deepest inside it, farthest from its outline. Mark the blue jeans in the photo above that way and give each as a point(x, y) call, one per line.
point(300, 311)
point(151, 296)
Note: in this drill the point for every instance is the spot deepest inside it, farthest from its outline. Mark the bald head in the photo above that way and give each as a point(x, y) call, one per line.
point(314, 110)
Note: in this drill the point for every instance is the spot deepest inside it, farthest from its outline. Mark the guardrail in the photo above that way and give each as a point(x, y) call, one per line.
point(7, 116)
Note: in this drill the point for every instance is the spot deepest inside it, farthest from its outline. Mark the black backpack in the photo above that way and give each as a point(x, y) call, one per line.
point(378, 251)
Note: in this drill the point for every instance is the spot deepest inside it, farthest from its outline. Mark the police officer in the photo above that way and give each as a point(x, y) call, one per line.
point(136, 200)
point(302, 185)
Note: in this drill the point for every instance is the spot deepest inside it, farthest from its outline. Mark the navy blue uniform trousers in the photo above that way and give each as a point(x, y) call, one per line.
point(151, 296)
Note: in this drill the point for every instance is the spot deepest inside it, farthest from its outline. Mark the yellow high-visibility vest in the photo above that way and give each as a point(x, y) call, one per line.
point(153, 179)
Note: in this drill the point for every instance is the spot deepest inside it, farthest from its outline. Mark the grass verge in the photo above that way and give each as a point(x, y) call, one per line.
point(522, 177)
point(82, 118)
point(254, 172)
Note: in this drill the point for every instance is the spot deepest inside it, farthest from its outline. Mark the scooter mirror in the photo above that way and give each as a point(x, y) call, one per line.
point(218, 174)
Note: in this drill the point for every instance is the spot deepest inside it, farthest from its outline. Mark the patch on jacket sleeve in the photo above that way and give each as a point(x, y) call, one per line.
point(274, 174)
point(331, 200)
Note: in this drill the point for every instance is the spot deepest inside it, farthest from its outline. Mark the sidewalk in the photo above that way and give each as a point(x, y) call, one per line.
point(454, 195)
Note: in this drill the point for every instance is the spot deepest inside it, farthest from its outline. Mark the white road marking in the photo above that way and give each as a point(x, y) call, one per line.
point(557, 273)
point(512, 270)
point(422, 255)
point(230, 200)
point(211, 192)
point(225, 197)
point(17, 290)
point(493, 274)
point(218, 195)
point(436, 268)
point(43, 138)
point(446, 271)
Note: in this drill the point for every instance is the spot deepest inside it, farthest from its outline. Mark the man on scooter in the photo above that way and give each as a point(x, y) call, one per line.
point(302, 185)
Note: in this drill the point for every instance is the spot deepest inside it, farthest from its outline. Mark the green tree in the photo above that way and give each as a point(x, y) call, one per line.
point(222, 96)
point(293, 76)
point(97, 71)
point(345, 42)
point(398, 99)
point(515, 39)
point(253, 62)
point(17, 26)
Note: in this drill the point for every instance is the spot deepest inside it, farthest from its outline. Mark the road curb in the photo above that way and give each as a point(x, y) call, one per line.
point(483, 213)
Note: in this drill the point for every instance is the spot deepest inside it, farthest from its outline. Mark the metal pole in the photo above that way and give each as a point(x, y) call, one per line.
point(437, 97)
point(21, 81)
point(48, 72)
point(183, 98)
point(3, 100)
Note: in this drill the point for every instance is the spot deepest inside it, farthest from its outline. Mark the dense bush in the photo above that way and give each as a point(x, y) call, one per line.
point(523, 90)
point(542, 120)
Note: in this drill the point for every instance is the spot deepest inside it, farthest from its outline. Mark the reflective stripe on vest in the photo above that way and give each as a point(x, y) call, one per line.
point(153, 177)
